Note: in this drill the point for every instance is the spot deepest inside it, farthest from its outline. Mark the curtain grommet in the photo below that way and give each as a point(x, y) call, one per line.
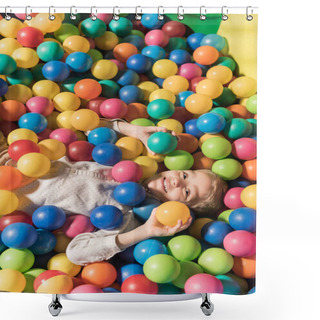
point(180, 13)
point(249, 17)
point(138, 15)
point(116, 12)
point(72, 16)
point(6, 15)
point(51, 16)
point(203, 12)
point(160, 14)
point(224, 13)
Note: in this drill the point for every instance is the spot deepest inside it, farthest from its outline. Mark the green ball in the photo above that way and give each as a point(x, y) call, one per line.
point(20, 76)
point(37, 72)
point(184, 248)
point(188, 269)
point(95, 55)
point(50, 50)
point(93, 28)
point(161, 268)
point(224, 216)
point(121, 27)
point(179, 160)
point(110, 88)
point(230, 285)
point(251, 104)
point(7, 64)
point(227, 98)
point(30, 275)
point(226, 113)
point(227, 62)
point(162, 142)
point(175, 43)
point(160, 109)
point(68, 84)
point(227, 169)
point(66, 30)
point(18, 259)
point(216, 148)
point(76, 21)
point(244, 287)
point(253, 123)
point(142, 122)
point(237, 128)
point(168, 288)
point(137, 33)
point(216, 261)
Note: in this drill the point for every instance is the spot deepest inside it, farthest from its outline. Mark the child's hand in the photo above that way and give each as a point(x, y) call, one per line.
point(155, 229)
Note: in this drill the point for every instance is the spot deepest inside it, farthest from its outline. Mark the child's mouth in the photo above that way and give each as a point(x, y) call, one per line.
point(164, 185)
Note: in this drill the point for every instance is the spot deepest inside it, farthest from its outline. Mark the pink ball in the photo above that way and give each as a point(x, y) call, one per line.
point(119, 64)
point(203, 282)
point(105, 17)
point(87, 288)
point(189, 71)
point(244, 148)
point(113, 108)
point(64, 135)
point(232, 198)
point(126, 170)
point(40, 105)
point(240, 243)
point(156, 38)
point(77, 224)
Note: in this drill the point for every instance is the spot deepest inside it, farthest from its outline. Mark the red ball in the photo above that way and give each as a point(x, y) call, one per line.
point(113, 108)
point(94, 105)
point(30, 37)
point(182, 115)
point(13, 217)
point(174, 29)
point(80, 151)
point(194, 82)
point(127, 170)
point(232, 198)
point(139, 283)
point(21, 147)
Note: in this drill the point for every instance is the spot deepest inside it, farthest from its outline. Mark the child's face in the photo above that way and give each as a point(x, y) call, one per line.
point(187, 186)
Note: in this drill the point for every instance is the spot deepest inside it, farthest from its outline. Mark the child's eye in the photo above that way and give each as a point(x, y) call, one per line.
point(184, 175)
point(187, 193)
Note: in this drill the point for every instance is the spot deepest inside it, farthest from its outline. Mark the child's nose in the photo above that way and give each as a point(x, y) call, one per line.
point(176, 182)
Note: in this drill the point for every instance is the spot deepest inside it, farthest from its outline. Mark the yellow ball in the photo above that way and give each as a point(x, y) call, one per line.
point(162, 94)
point(198, 103)
point(130, 147)
point(147, 87)
point(104, 69)
point(19, 92)
point(10, 28)
point(80, 135)
point(12, 280)
point(206, 136)
point(42, 22)
point(210, 87)
point(64, 120)
point(164, 68)
point(107, 41)
point(243, 87)
point(171, 124)
point(53, 149)
point(85, 119)
point(222, 74)
point(66, 101)
point(46, 88)
point(176, 84)
point(76, 43)
point(22, 134)
point(34, 165)
point(62, 241)
point(25, 57)
point(196, 227)
point(149, 166)
point(248, 196)
point(8, 202)
point(8, 45)
point(62, 263)
point(170, 212)
point(52, 120)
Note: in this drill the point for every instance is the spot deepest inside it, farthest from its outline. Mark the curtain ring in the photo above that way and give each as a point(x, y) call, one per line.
point(203, 12)
point(92, 15)
point(160, 15)
point(28, 16)
point(7, 17)
point(52, 16)
point(138, 16)
point(116, 14)
point(180, 13)
point(249, 16)
point(224, 13)
point(72, 16)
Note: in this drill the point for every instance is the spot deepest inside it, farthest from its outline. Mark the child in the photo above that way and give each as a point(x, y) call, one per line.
point(79, 187)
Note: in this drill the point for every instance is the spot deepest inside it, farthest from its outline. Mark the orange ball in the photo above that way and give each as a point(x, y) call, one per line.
point(245, 267)
point(136, 110)
point(201, 161)
point(249, 170)
point(10, 178)
point(239, 111)
point(187, 142)
point(205, 55)
point(87, 89)
point(170, 212)
point(101, 274)
point(123, 51)
point(11, 110)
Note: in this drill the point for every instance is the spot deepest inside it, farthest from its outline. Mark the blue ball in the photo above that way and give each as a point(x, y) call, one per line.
point(19, 235)
point(135, 40)
point(148, 248)
point(151, 21)
point(158, 81)
point(129, 193)
point(33, 121)
point(211, 123)
point(180, 56)
point(127, 77)
point(213, 40)
point(106, 217)
point(194, 40)
point(102, 135)
point(191, 128)
point(107, 154)
point(3, 87)
point(252, 290)
point(56, 71)
point(127, 254)
point(2, 245)
point(243, 219)
point(130, 94)
point(182, 96)
point(45, 243)
point(214, 232)
point(79, 61)
point(240, 182)
point(109, 289)
point(230, 285)
point(143, 210)
point(49, 217)
point(139, 63)
point(154, 52)
point(128, 271)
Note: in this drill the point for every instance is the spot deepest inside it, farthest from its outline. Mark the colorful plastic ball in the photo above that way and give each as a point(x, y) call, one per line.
point(230, 285)
point(168, 288)
point(63, 135)
point(214, 232)
point(127, 271)
point(240, 243)
point(86, 288)
point(248, 196)
point(211, 123)
point(106, 217)
point(76, 224)
point(104, 69)
point(33, 121)
point(33, 165)
point(225, 99)
point(251, 104)
point(245, 267)
point(240, 182)
point(253, 290)
point(10, 178)
point(184, 248)
point(227, 169)
point(174, 29)
point(187, 142)
point(179, 160)
point(84, 120)
point(12, 281)
point(129, 193)
point(93, 28)
point(22, 134)
point(30, 276)
point(244, 148)
point(243, 87)
point(154, 52)
point(129, 94)
point(194, 40)
point(139, 63)
point(213, 40)
point(130, 147)
point(205, 55)
point(49, 217)
point(113, 108)
point(198, 103)
point(46, 241)
point(188, 269)
point(121, 27)
point(56, 71)
point(162, 142)
point(249, 170)
point(40, 105)
point(79, 61)
point(53, 149)
point(143, 122)
point(102, 135)
point(126, 77)
point(216, 148)
point(16, 216)
point(156, 38)
point(160, 109)
point(143, 210)
point(151, 21)
point(189, 71)
point(203, 282)
point(3, 87)
point(201, 161)
point(17, 259)
point(12, 110)
point(220, 73)
point(210, 87)
point(180, 56)
point(87, 88)
point(61, 262)
point(30, 37)
point(224, 112)
point(127, 170)
point(237, 128)
point(232, 198)
point(107, 154)
point(53, 282)
point(7, 64)
point(80, 151)
point(170, 212)
point(123, 51)
point(191, 128)
point(164, 68)
point(243, 219)
point(139, 283)
point(19, 235)
point(239, 111)
point(148, 248)
point(50, 50)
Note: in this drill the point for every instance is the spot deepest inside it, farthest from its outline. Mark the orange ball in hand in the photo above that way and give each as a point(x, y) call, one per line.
point(170, 212)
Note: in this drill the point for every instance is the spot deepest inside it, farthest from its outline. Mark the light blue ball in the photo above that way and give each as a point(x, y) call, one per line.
point(128, 271)
point(182, 96)
point(33, 121)
point(162, 142)
point(243, 219)
point(130, 94)
point(211, 123)
point(143, 210)
point(151, 21)
point(79, 61)
point(56, 71)
point(213, 40)
point(102, 135)
point(154, 52)
point(148, 248)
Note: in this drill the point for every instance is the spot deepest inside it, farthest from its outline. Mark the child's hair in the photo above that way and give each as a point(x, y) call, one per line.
point(214, 200)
